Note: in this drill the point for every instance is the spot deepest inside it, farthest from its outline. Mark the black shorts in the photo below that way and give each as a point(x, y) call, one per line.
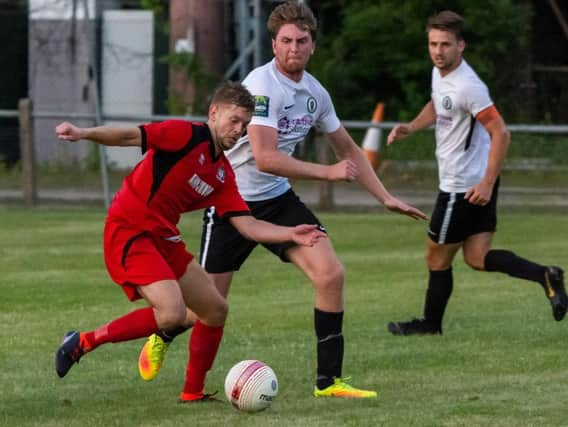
point(455, 219)
point(223, 249)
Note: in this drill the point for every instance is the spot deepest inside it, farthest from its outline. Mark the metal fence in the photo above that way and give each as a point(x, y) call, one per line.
point(326, 194)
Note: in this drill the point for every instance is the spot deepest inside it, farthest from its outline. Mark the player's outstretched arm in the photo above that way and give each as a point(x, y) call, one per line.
point(104, 135)
point(346, 148)
point(425, 119)
point(265, 232)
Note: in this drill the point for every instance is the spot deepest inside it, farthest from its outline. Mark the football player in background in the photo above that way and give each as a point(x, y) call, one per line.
point(471, 144)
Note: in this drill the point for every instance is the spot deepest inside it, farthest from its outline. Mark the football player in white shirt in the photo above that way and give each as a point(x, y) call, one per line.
point(471, 145)
point(289, 102)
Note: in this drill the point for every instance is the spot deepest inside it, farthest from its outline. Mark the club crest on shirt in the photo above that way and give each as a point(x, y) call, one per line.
point(201, 159)
point(261, 104)
point(221, 174)
point(311, 104)
point(200, 186)
point(447, 102)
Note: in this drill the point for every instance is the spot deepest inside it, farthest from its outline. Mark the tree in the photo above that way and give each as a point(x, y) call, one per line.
point(371, 52)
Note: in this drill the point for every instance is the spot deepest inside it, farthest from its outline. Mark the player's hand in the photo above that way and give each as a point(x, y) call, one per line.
point(479, 194)
point(68, 132)
point(399, 132)
point(395, 205)
point(307, 234)
point(345, 170)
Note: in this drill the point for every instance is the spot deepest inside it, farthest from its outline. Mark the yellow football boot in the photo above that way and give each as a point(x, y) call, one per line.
point(151, 357)
point(339, 388)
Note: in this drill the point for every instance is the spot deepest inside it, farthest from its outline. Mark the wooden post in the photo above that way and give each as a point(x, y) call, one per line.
point(27, 154)
point(326, 202)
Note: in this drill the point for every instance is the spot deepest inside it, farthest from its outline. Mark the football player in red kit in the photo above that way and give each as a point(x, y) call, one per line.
point(184, 169)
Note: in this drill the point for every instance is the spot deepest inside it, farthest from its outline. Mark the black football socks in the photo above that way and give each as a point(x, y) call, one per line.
point(440, 286)
point(507, 262)
point(330, 346)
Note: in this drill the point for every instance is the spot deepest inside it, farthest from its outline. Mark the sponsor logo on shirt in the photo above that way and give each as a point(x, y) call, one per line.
point(300, 125)
point(261, 104)
point(221, 174)
point(200, 186)
point(443, 122)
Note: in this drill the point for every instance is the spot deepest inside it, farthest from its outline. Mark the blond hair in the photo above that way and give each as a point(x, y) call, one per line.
point(234, 93)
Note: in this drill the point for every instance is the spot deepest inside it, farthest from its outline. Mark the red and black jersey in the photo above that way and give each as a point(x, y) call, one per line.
point(179, 173)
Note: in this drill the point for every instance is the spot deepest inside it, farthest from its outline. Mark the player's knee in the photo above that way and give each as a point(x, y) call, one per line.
point(221, 312)
point(217, 313)
point(434, 262)
point(331, 278)
point(172, 317)
point(475, 261)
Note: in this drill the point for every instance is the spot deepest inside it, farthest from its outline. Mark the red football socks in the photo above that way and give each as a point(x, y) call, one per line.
point(136, 324)
point(203, 345)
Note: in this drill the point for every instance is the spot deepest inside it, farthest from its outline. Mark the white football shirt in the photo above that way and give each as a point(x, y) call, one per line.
point(292, 108)
point(462, 143)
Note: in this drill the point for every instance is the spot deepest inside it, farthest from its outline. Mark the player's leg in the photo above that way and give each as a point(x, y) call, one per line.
point(476, 248)
point(188, 274)
point(154, 351)
point(479, 255)
point(135, 263)
point(439, 260)
point(201, 296)
point(210, 306)
point(322, 267)
point(166, 311)
point(446, 233)
point(147, 257)
point(222, 282)
point(440, 285)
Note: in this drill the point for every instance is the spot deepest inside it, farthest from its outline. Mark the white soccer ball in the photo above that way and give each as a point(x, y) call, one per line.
point(251, 386)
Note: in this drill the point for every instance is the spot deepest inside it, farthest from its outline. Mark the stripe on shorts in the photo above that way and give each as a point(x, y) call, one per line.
point(447, 219)
point(208, 231)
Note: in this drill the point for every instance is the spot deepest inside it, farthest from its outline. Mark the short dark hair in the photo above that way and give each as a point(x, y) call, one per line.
point(447, 21)
point(292, 12)
point(235, 93)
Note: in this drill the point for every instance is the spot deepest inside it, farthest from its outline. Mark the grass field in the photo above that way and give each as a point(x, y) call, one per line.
point(501, 361)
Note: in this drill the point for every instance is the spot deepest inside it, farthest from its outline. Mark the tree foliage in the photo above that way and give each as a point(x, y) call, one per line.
point(371, 51)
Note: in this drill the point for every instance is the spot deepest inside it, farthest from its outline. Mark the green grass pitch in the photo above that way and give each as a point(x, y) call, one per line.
point(501, 362)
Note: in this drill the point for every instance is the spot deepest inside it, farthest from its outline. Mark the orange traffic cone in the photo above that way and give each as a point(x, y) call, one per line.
point(372, 140)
